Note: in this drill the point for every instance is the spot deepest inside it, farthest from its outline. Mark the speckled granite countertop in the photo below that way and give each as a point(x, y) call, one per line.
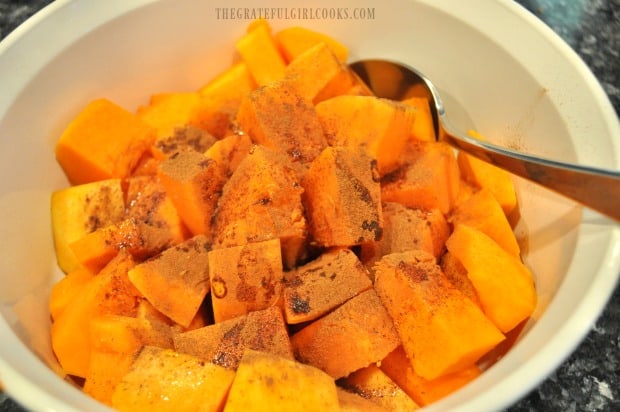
point(590, 379)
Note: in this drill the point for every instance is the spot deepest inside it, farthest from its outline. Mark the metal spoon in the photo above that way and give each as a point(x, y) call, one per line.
point(598, 189)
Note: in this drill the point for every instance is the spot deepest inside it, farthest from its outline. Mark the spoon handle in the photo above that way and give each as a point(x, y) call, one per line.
point(598, 189)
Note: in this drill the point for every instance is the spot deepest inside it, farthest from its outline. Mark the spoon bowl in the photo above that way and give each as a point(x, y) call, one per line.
point(598, 189)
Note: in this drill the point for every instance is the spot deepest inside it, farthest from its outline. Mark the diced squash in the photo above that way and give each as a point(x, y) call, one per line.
point(176, 281)
point(268, 382)
point(380, 126)
point(442, 331)
point(352, 402)
point(245, 278)
point(66, 289)
point(167, 111)
point(407, 229)
point(224, 343)
point(428, 180)
point(351, 337)
point(259, 22)
point(342, 197)
point(482, 211)
point(220, 100)
point(373, 384)
point(148, 202)
point(116, 340)
point(317, 74)
point(261, 201)
point(142, 240)
point(193, 182)
point(424, 392)
point(103, 141)
point(230, 151)
point(457, 275)
point(278, 117)
point(314, 289)
point(79, 210)
point(423, 128)
point(504, 284)
point(482, 174)
point(293, 41)
point(109, 292)
point(185, 137)
point(163, 380)
point(260, 53)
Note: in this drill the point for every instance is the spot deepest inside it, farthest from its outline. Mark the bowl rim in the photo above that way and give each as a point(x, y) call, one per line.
point(590, 307)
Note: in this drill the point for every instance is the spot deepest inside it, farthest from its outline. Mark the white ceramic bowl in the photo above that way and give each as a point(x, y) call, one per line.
point(521, 85)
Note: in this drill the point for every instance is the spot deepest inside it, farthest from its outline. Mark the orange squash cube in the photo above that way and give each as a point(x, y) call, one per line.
point(260, 53)
point(429, 179)
point(317, 287)
point(224, 343)
point(103, 141)
point(176, 281)
point(193, 182)
point(317, 74)
point(380, 126)
point(293, 41)
point(280, 118)
point(361, 330)
point(442, 331)
point(424, 392)
point(245, 278)
point(504, 284)
point(342, 197)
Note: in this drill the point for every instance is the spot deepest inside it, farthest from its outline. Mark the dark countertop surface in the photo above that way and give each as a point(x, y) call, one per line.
point(589, 380)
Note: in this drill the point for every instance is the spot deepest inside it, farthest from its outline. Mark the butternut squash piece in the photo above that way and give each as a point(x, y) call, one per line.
point(260, 53)
point(407, 229)
point(278, 117)
point(96, 249)
point(224, 343)
point(103, 141)
point(351, 337)
point(317, 74)
point(424, 392)
point(220, 100)
point(312, 290)
point(482, 174)
point(245, 278)
point(167, 111)
point(265, 380)
point(261, 201)
point(66, 289)
point(352, 402)
point(184, 137)
point(148, 202)
point(230, 151)
point(457, 275)
point(441, 330)
point(423, 126)
point(116, 340)
point(380, 126)
point(293, 41)
point(79, 210)
point(109, 292)
point(193, 182)
point(176, 281)
point(373, 384)
point(482, 211)
point(342, 197)
point(504, 284)
point(428, 180)
point(163, 380)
